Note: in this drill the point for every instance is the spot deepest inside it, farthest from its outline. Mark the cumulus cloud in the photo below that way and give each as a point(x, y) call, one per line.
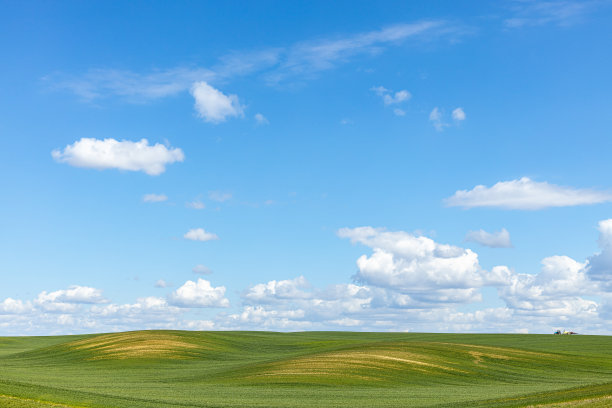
point(14, 306)
point(214, 106)
point(123, 155)
point(74, 294)
point(201, 269)
point(154, 198)
point(293, 304)
point(458, 114)
point(499, 239)
point(199, 294)
point(146, 312)
point(416, 266)
point(67, 300)
point(199, 234)
point(600, 264)
point(406, 282)
point(554, 292)
point(526, 194)
point(277, 290)
point(261, 119)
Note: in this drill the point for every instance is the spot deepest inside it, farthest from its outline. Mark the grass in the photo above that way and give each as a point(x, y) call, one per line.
point(310, 369)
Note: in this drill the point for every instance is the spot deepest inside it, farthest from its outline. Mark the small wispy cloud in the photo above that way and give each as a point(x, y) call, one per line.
point(261, 119)
point(498, 239)
point(275, 64)
point(392, 98)
point(199, 234)
point(458, 114)
point(309, 57)
point(526, 194)
point(560, 13)
point(162, 284)
point(196, 205)
point(201, 269)
point(219, 196)
point(154, 198)
point(133, 86)
point(436, 117)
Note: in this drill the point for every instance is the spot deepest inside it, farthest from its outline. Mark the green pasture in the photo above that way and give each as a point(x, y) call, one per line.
point(155, 369)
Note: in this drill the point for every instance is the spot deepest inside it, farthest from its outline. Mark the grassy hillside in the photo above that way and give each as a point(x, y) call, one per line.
point(310, 369)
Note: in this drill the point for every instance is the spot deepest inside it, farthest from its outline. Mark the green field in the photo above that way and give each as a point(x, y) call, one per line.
point(309, 369)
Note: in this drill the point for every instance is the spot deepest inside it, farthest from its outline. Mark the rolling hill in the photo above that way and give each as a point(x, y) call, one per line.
point(340, 369)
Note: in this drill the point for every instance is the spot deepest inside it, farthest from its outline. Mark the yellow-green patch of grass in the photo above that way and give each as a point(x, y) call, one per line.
point(142, 344)
point(601, 402)
point(8, 401)
point(394, 362)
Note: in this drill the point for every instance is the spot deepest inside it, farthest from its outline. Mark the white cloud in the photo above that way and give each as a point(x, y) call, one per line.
point(74, 294)
point(68, 300)
point(435, 116)
point(526, 194)
point(499, 239)
point(261, 119)
point(416, 266)
point(212, 105)
point(201, 269)
point(162, 284)
point(259, 316)
point(458, 114)
point(135, 87)
point(408, 283)
point(390, 98)
point(199, 325)
point(312, 56)
point(199, 234)
point(399, 96)
point(147, 311)
point(276, 290)
point(219, 196)
point(196, 205)
point(303, 59)
point(600, 264)
point(346, 121)
point(199, 294)
point(379, 90)
point(561, 12)
point(552, 293)
point(14, 306)
point(347, 321)
point(154, 198)
point(122, 155)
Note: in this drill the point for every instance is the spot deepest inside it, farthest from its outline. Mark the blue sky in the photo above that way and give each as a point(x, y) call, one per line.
point(398, 166)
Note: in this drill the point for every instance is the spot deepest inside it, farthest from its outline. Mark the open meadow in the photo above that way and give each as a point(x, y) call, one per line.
point(306, 369)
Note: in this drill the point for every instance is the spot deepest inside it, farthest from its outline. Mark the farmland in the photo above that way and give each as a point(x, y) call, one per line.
point(306, 369)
